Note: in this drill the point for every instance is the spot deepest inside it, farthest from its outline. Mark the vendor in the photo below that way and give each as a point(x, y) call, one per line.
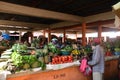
point(25, 38)
point(4, 41)
point(55, 42)
point(97, 61)
point(42, 41)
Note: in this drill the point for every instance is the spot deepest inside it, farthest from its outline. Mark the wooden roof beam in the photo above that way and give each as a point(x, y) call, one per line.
point(74, 31)
point(29, 11)
point(14, 28)
point(71, 25)
point(100, 17)
point(63, 24)
point(102, 22)
point(23, 24)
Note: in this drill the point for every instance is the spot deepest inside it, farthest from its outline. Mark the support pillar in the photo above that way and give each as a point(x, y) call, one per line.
point(76, 36)
point(20, 36)
point(83, 33)
point(107, 39)
point(100, 31)
point(49, 35)
point(64, 35)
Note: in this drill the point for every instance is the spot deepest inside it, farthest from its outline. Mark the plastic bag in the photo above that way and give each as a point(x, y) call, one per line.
point(84, 67)
point(88, 70)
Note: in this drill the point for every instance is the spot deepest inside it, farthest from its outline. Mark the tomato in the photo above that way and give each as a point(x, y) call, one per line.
point(65, 58)
point(56, 59)
point(69, 57)
point(60, 58)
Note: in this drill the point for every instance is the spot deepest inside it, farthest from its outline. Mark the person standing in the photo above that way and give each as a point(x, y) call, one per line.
point(98, 60)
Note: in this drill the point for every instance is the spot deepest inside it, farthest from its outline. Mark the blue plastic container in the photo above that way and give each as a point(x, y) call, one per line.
point(65, 52)
point(117, 53)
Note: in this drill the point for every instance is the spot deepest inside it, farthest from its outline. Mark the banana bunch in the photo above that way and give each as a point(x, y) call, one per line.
point(75, 52)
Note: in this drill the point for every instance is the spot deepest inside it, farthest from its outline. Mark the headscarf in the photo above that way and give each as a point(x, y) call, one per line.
point(96, 41)
point(54, 40)
point(5, 36)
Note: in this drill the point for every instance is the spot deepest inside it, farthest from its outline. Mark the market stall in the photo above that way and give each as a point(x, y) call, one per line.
point(69, 73)
point(49, 62)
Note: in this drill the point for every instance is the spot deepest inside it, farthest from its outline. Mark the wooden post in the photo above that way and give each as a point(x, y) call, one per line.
point(49, 35)
point(107, 39)
point(76, 36)
point(20, 35)
point(99, 31)
point(83, 33)
point(64, 36)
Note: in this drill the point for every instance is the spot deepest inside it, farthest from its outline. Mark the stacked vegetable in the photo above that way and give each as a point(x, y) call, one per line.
point(75, 52)
point(42, 54)
point(53, 48)
point(25, 59)
point(79, 53)
point(61, 59)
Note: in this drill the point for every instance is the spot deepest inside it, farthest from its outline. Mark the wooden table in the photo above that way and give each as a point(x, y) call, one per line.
point(69, 73)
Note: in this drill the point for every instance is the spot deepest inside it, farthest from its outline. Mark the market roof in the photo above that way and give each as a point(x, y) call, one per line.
point(67, 12)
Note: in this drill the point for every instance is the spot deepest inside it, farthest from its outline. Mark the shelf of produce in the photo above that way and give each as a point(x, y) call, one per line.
point(68, 73)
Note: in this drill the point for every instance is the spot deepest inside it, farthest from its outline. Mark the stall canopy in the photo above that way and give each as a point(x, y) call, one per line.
point(56, 14)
